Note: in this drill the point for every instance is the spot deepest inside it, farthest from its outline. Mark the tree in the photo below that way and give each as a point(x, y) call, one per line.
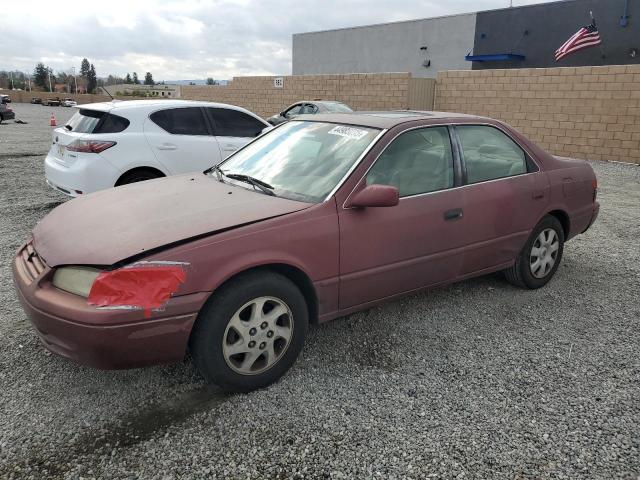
point(127, 79)
point(148, 79)
point(114, 80)
point(85, 66)
point(211, 81)
point(92, 79)
point(135, 79)
point(41, 76)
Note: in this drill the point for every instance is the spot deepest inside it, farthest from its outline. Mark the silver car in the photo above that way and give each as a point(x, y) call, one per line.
point(309, 107)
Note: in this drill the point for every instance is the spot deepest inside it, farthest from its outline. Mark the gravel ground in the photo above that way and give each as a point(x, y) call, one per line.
point(476, 380)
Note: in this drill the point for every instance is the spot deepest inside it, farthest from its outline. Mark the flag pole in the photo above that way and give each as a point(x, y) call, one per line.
point(593, 22)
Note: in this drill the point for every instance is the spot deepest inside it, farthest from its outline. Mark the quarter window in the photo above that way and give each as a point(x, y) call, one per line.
point(418, 161)
point(181, 121)
point(111, 124)
point(234, 123)
point(490, 154)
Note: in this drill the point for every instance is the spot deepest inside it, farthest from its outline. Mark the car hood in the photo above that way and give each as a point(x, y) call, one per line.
point(106, 227)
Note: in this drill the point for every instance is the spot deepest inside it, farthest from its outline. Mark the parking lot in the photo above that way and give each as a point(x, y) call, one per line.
point(476, 380)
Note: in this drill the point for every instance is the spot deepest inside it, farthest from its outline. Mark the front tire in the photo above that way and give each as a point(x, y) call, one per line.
point(250, 332)
point(540, 257)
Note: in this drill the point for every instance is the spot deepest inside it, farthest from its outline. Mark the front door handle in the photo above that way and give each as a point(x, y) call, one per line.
point(453, 214)
point(167, 146)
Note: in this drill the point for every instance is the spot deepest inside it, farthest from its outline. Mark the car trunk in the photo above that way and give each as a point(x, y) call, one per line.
point(60, 139)
point(81, 124)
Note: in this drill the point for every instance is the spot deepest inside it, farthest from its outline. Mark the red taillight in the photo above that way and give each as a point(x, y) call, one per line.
point(89, 146)
point(595, 188)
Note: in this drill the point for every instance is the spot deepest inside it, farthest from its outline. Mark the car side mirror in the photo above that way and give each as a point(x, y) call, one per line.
point(283, 114)
point(376, 196)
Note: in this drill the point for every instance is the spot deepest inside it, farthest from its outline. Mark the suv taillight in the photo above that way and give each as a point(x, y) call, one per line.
point(595, 188)
point(89, 146)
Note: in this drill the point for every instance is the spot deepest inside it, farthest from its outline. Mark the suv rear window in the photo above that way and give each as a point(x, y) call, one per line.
point(94, 121)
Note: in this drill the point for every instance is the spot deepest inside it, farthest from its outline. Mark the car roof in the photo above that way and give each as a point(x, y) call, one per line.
point(318, 101)
point(115, 105)
point(386, 119)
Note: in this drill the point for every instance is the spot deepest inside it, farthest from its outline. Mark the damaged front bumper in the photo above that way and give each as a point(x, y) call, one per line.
point(102, 338)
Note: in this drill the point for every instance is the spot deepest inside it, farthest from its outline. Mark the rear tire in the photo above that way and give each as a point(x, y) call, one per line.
point(137, 176)
point(250, 332)
point(540, 257)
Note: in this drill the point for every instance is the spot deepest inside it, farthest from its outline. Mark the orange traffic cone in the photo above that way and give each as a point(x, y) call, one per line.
point(52, 121)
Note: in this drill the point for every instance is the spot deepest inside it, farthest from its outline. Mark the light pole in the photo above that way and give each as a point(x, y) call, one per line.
point(11, 75)
point(75, 79)
point(49, 74)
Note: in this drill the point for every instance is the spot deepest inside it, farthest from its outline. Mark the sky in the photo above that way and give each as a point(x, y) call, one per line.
point(191, 39)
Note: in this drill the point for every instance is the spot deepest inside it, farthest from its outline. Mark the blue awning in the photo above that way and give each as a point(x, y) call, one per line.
point(495, 57)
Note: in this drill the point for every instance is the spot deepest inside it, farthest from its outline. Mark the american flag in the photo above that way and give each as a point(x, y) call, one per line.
point(584, 38)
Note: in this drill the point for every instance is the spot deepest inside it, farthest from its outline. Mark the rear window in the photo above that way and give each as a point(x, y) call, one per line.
point(94, 121)
point(337, 107)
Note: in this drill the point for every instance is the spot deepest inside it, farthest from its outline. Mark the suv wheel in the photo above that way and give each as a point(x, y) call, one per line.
point(250, 332)
point(137, 176)
point(540, 257)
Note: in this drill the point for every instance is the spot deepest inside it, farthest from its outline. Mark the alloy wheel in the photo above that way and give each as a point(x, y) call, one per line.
point(258, 335)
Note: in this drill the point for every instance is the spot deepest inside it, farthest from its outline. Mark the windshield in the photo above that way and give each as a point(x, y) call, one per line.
point(336, 107)
point(302, 160)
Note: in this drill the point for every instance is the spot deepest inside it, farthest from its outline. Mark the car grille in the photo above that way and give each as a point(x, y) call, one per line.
point(31, 263)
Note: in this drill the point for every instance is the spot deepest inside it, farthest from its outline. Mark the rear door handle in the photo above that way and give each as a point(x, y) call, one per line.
point(167, 146)
point(453, 214)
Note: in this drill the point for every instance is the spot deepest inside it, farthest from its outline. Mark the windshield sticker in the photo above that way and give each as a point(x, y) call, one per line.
point(348, 132)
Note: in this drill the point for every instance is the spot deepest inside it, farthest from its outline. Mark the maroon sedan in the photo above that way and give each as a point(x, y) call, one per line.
point(323, 216)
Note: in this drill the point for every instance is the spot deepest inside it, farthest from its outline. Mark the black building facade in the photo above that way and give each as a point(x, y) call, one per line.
point(535, 32)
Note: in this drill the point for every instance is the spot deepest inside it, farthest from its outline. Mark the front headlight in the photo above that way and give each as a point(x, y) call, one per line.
point(76, 280)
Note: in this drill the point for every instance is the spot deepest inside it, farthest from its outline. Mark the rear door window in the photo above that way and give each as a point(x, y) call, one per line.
point(490, 154)
point(181, 121)
point(234, 123)
point(308, 109)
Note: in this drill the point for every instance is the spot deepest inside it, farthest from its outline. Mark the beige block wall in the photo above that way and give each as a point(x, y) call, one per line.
point(370, 91)
point(20, 96)
point(583, 112)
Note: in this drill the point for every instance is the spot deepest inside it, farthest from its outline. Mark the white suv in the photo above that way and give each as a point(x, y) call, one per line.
point(114, 143)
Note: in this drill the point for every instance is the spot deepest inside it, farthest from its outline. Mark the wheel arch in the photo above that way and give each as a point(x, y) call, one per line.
point(293, 273)
point(154, 170)
point(564, 220)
